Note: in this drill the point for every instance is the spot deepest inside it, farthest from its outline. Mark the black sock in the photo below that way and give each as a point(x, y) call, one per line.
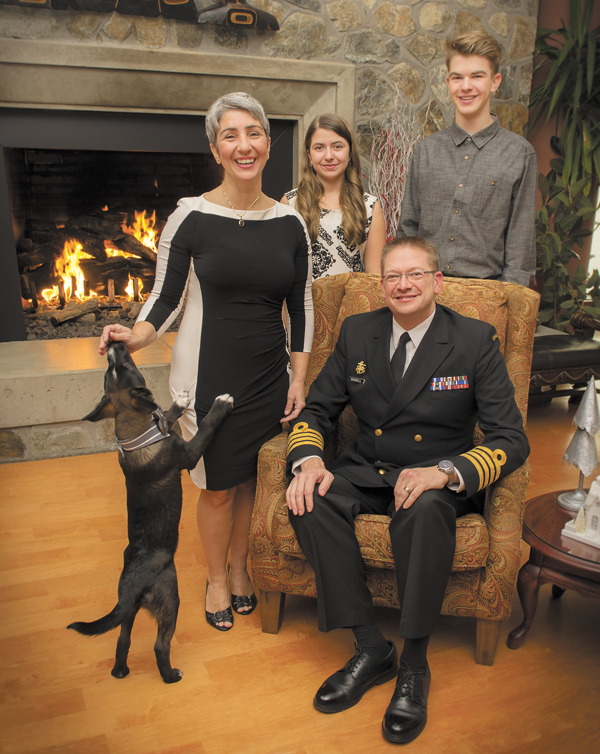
point(414, 654)
point(371, 640)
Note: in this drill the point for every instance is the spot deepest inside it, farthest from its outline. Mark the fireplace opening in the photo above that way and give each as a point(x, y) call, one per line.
point(87, 224)
point(88, 195)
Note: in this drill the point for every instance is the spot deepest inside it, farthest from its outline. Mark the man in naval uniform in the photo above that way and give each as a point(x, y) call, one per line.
point(418, 377)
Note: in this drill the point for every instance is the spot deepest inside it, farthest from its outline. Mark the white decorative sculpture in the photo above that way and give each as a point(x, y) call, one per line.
point(582, 451)
point(586, 526)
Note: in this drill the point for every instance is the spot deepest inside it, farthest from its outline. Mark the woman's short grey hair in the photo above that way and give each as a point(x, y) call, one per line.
point(233, 101)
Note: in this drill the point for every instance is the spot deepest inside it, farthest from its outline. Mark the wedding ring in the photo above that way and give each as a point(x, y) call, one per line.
point(406, 489)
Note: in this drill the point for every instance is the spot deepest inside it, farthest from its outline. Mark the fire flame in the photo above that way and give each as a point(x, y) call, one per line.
point(67, 266)
point(143, 229)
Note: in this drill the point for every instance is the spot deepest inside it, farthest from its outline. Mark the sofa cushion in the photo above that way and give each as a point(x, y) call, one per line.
point(560, 352)
point(472, 540)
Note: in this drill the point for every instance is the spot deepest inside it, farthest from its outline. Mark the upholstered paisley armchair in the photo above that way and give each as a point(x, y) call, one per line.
point(488, 547)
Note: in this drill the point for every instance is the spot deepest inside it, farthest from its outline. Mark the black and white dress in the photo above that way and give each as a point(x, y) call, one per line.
point(232, 337)
point(331, 252)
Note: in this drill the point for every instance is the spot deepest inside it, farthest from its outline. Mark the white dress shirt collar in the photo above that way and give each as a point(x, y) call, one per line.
point(416, 336)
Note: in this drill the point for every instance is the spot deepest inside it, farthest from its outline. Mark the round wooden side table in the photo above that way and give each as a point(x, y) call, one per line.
point(554, 559)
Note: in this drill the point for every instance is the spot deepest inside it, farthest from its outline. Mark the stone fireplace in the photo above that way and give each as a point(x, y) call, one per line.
point(127, 99)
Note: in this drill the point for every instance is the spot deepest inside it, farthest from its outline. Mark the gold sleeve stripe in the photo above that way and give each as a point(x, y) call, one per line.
point(487, 462)
point(303, 435)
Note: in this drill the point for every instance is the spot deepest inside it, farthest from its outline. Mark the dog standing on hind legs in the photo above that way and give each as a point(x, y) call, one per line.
point(152, 461)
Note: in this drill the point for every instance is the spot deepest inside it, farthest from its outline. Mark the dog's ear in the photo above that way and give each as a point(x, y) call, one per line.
point(104, 410)
point(142, 399)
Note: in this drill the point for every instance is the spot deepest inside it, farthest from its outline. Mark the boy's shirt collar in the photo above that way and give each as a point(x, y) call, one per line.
point(481, 138)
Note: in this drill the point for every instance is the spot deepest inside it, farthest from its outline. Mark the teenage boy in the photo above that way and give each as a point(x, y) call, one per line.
point(471, 187)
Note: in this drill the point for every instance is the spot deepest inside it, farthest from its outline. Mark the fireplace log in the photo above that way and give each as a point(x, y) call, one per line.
point(131, 245)
point(42, 231)
point(91, 243)
point(46, 253)
point(74, 311)
point(107, 227)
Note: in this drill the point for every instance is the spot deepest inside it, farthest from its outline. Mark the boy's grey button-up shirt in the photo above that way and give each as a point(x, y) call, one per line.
point(473, 196)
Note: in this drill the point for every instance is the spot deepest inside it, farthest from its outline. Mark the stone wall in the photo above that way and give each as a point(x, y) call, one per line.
point(390, 43)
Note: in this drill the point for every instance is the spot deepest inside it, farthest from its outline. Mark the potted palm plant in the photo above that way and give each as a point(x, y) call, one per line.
point(571, 95)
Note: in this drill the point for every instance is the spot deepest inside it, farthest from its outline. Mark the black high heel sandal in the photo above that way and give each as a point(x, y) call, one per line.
point(220, 616)
point(242, 601)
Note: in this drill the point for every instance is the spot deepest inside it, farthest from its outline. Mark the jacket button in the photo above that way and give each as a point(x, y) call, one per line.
point(382, 471)
point(378, 432)
point(417, 438)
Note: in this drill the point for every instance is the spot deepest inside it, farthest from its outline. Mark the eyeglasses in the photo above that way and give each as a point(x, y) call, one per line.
point(413, 277)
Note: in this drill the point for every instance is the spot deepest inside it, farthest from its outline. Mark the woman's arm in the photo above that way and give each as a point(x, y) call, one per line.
point(142, 334)
point(375, 241)
point(295, 402)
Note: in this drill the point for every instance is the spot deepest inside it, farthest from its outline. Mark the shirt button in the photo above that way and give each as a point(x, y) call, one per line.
point(378, 432)
point(468, 138)
point(493, 183)
point(460, 185)
point(447, 266)
point(452, 239)
point(466, 157)
point(418, 438)
point(382, 471)
point(456, 212)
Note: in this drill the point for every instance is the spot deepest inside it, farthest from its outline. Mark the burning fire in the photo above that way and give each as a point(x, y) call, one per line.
point(143, 229)
point(68, 270)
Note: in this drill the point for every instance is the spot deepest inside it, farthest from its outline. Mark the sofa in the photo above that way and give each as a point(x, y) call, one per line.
point(488, 546)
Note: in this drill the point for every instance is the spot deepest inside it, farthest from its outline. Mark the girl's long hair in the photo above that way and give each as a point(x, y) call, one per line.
point(310, 190)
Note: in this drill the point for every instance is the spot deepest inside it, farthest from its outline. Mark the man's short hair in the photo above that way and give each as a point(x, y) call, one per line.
point(415, 242)
point(475, 43)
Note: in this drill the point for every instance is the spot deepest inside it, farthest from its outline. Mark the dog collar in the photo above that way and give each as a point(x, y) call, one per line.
point(156, 433)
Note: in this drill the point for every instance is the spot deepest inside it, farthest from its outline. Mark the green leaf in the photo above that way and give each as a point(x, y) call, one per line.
point(558, 90)
point(543, 185)
point(580, 274)
point(557, 242)
point(593, 279)
point(585, 211)
point(546, 315)
point(591, 59)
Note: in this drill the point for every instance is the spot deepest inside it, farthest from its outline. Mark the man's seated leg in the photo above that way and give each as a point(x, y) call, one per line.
point(423, 542)
point(326, 536)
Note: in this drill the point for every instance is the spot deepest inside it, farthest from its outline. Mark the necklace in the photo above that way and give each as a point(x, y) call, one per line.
point(241, 220)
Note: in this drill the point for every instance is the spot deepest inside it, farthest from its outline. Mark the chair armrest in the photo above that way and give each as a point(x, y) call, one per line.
point(270, 496)
point(503, 513)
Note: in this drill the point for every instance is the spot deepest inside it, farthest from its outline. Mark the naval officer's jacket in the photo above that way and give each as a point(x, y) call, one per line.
point(457, 377)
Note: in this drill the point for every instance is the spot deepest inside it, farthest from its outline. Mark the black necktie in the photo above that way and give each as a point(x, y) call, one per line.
point(399, 358)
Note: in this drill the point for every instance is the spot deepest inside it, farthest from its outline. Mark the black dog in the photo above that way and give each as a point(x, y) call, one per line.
point(152, 462)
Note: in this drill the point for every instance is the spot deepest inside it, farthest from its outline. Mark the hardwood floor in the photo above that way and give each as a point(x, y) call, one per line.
point(63, 531)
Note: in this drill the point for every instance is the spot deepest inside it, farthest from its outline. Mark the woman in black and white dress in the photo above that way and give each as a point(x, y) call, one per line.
point(238, 256)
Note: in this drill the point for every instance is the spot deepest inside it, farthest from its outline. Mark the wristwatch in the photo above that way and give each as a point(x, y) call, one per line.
point(448, 468)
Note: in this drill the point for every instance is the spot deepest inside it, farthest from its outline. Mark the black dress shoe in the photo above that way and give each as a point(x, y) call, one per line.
point(406, 715)
point(346, 688)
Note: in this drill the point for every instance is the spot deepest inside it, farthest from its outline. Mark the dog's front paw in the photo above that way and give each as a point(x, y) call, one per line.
point(182, 399)
point(223, 403)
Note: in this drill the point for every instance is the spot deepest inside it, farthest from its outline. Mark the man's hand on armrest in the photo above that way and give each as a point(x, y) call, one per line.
point(299, 494)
